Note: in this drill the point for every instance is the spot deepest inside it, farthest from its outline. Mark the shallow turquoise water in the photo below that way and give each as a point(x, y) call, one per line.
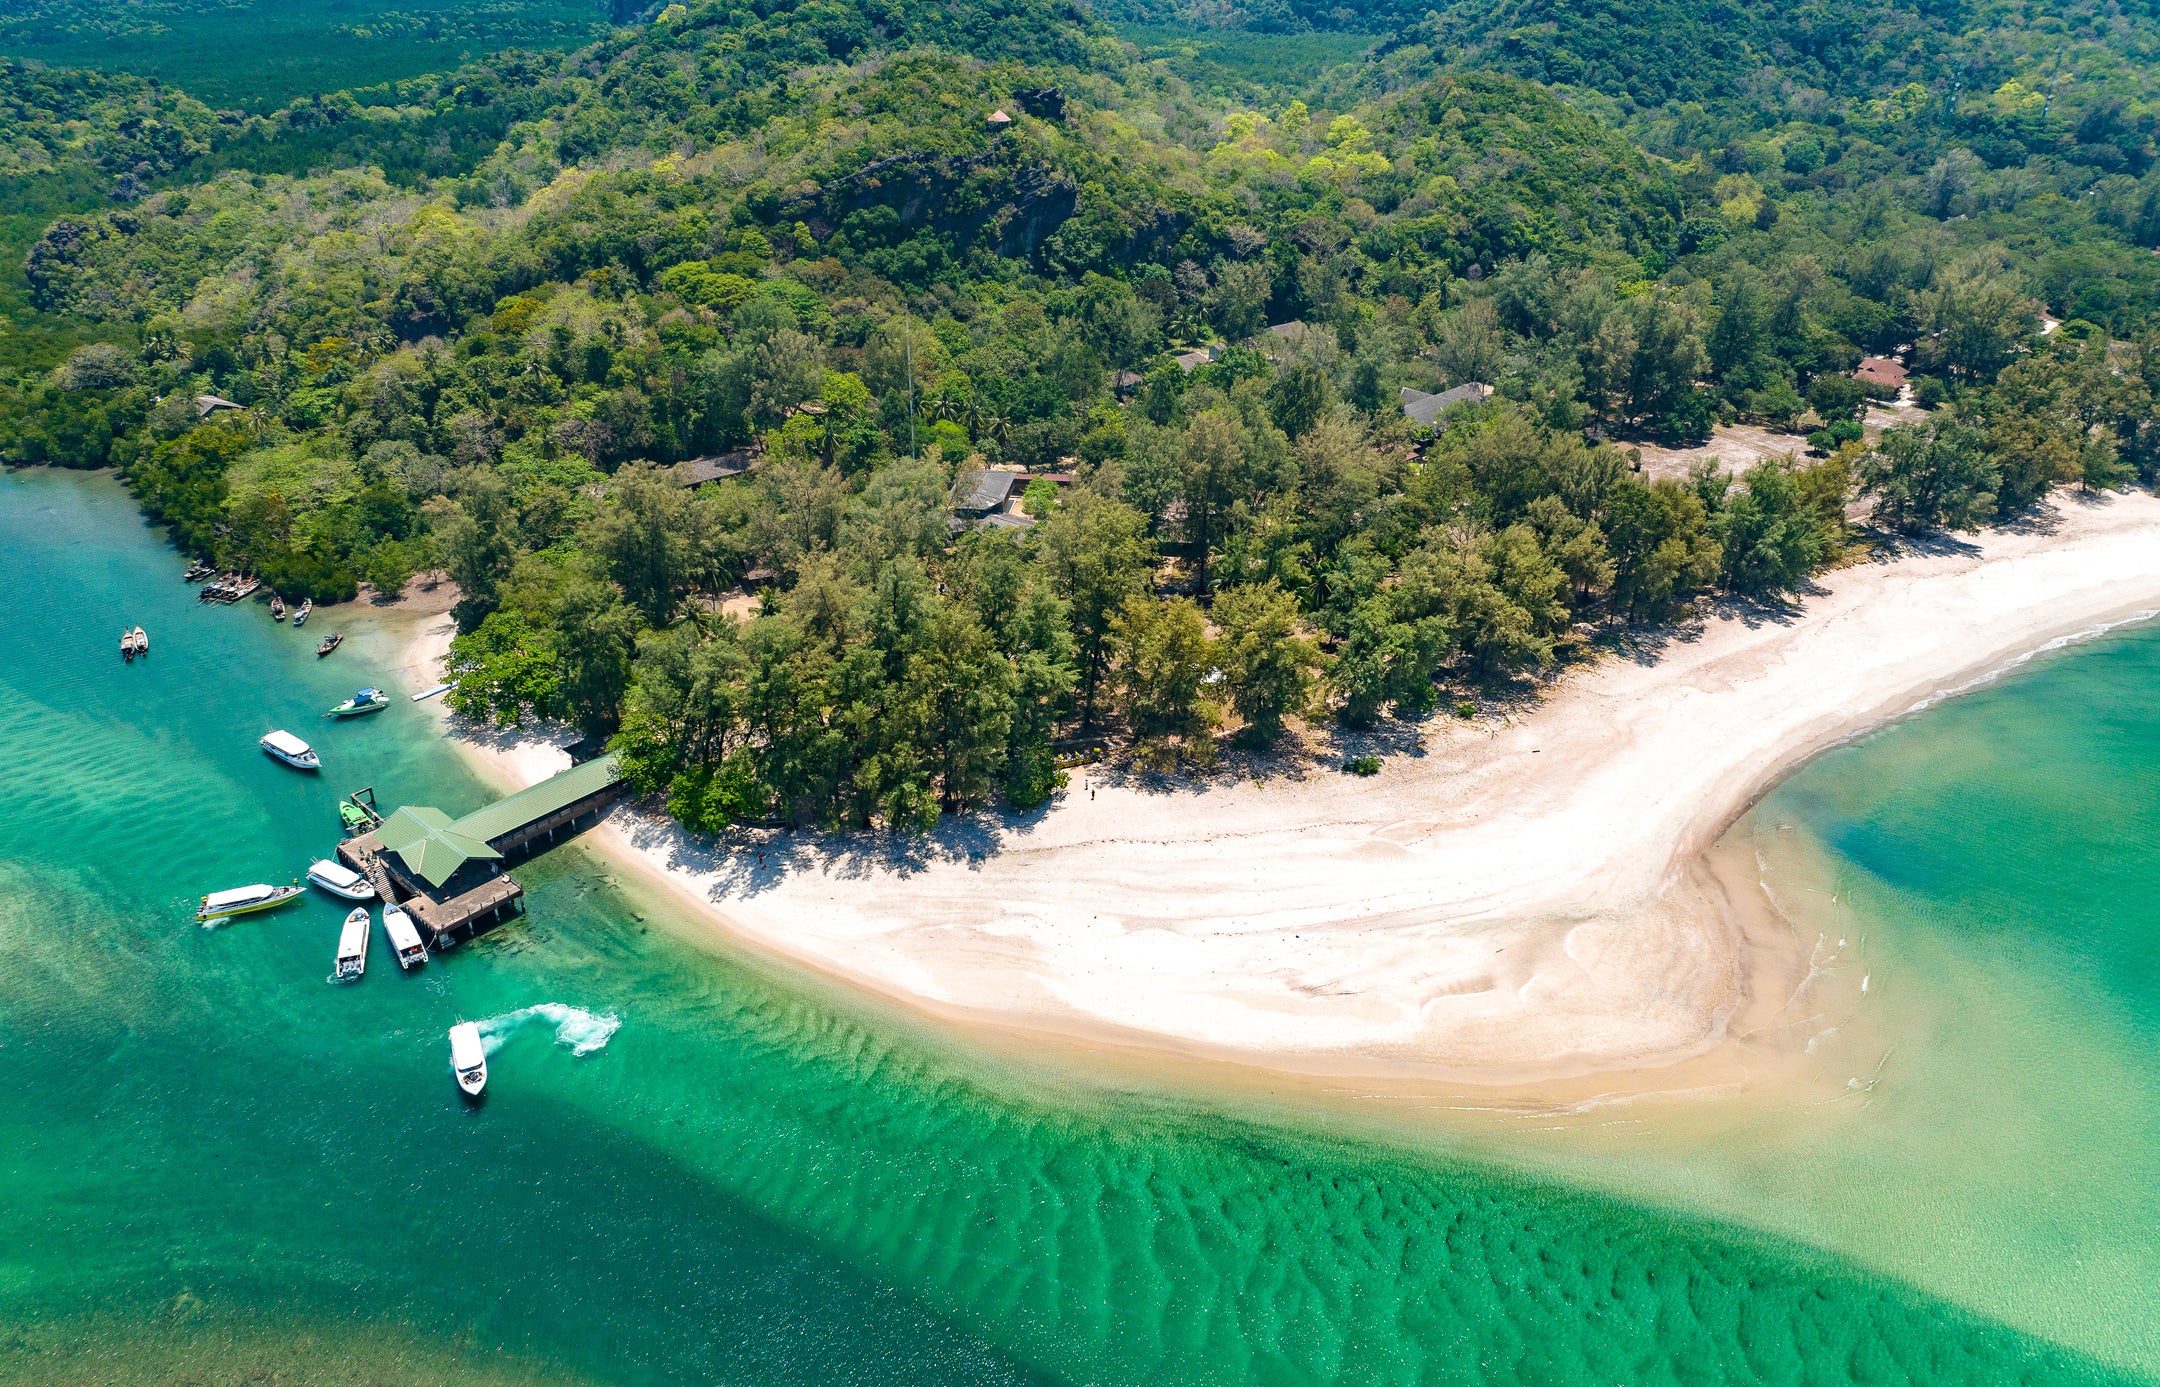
point(211, 1158)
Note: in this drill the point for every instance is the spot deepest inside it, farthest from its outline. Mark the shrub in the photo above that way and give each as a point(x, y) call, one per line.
point(1362, 765)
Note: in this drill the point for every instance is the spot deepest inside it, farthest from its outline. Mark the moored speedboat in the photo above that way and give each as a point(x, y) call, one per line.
point(244, 900)
point(404, 937)
point(142, 641)
point(365, 701)
point(352, 946)
point(341, 880)
point(307, 609)
point(127, 645)
point(468, 1058)
point(291, 750)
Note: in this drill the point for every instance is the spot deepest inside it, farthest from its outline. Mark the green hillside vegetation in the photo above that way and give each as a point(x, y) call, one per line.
point(257, 56)
point(469, 322)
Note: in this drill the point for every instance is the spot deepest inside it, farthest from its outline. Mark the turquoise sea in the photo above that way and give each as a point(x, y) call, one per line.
point(216, 1168)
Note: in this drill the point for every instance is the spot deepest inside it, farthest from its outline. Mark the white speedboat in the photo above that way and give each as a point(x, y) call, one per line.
point(244, 900)
point(352, 946)
point(468, 1057)
point(291, 750)
point(341, 880)
point(365, 701)
point(404, 937)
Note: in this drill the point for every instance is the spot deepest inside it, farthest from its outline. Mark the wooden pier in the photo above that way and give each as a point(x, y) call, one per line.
point(448, 874)
point(445, 919)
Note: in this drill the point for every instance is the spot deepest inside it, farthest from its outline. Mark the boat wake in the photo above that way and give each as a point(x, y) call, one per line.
point(576, 1029)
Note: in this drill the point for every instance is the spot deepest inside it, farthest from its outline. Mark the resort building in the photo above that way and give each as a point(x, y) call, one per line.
point(448, 873)
point(1423, 409)
point(1881, 371)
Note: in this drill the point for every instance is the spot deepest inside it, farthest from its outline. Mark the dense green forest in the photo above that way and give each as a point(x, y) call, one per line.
point(255, 55)
point(477, 322)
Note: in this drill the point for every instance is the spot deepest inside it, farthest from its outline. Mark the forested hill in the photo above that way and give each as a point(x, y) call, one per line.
point(1726, 55)
point(1038, 395)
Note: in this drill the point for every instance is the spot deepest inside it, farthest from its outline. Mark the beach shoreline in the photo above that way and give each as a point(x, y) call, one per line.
point(1528, 909)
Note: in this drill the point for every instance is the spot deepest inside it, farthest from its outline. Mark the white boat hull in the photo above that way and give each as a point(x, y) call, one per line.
point(404, 937)
point(220, 905)
point(468, 1058)
point(284, 746)
point(359, 888)
point(353, 946)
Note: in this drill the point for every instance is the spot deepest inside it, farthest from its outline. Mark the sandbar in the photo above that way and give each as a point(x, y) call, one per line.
point(1517, 902)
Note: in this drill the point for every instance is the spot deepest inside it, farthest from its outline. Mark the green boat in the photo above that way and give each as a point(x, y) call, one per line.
point(365, 701)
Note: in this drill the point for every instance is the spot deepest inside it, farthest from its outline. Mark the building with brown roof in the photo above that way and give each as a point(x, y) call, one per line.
point(1882, 371)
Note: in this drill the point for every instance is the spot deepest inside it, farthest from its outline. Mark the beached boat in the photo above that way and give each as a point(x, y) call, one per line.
point(341, 880)
point(365, 701)
point(404, 937)
point(228, 589)
point(337, 638)
point(277, 607)
point(468, 1058)
point(307, 609)
point(352, 946)
point(244, 900)
point(291, 750)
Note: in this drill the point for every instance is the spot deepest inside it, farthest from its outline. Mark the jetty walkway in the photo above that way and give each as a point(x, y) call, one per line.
point(448, 873)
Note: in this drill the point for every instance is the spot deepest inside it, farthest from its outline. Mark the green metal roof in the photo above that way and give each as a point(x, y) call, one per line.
point(432, 847)
point(539, 801)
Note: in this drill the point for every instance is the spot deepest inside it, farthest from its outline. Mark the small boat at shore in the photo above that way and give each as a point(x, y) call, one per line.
point(352, 946)
point(285, 747)
point(244, 900)
point(341, 880)
point(365, 701)
point(228, 589)
point(468, 1058)
point(277, 607)
point(337, 638)
point(404, 937)
point(307, 609)
point(197, 571)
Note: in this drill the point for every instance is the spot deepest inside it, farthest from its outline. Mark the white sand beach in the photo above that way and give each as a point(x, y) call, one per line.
point(1520, 902)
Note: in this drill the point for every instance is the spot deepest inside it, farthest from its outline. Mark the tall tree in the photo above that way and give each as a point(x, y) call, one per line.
point(1163, 654)
point(1769, 535)
point(1268, 665)
point(1097, 553)
point(595, 635)
point(1935, 475)
point(476, 536)
point(652, 534)
point(1214, 480)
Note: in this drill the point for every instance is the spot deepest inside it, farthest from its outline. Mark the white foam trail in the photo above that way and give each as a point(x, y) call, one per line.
point(576, 1029)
